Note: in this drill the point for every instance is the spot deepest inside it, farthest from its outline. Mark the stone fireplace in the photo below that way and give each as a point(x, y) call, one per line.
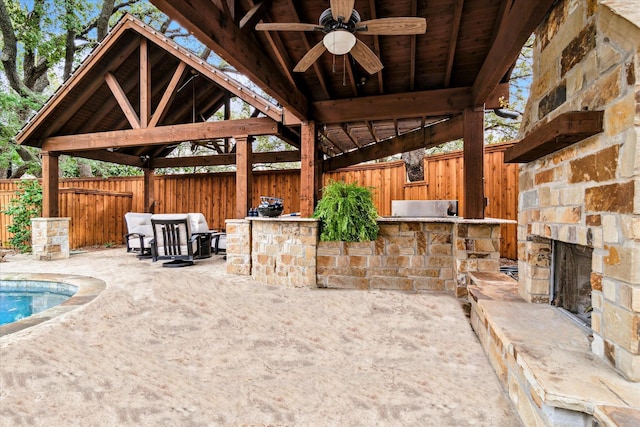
point(580, 182)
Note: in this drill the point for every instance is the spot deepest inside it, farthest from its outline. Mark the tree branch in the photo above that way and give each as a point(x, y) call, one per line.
point(10, 53)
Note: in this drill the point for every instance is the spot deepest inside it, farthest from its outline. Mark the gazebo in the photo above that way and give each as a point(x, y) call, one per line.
point(127, 103)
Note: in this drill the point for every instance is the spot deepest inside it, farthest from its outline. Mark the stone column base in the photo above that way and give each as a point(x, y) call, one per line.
point(50, 238)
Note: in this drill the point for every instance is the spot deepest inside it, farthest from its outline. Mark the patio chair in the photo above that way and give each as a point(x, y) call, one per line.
point(208, 240)
point(173, 240)
point(139, 233)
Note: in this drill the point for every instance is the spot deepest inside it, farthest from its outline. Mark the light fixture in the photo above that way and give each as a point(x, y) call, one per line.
point(339, 42)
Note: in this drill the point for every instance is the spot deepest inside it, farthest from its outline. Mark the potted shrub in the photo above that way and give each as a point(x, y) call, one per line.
point(347, 213)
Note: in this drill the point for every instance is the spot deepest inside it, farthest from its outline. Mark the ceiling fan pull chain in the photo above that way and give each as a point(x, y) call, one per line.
point(333, 66)
point(344, 70)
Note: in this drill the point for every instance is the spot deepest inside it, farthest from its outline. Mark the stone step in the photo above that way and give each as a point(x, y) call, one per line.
point(544, 360)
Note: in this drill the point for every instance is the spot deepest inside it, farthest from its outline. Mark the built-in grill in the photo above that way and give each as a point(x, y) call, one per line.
point(424, 208)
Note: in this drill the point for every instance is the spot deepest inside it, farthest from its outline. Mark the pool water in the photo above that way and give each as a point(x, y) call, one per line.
point(23, 299)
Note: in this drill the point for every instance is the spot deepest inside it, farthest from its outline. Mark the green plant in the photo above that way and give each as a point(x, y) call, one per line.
point(26, 205)
point(347, 213)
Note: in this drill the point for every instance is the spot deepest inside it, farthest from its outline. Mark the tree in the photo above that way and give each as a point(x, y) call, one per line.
point(38, 42)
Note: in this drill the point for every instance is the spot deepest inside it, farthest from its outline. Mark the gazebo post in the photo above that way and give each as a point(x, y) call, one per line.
point(310, 169)
point(50, 234)
point(149, 196)
point(50, 170)
point(473, 134)
point(244, 177)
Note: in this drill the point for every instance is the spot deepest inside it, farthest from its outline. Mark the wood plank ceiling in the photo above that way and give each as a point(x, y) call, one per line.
point(463, 61)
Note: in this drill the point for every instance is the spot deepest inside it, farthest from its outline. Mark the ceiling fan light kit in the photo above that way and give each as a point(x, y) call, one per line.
point(339, 42)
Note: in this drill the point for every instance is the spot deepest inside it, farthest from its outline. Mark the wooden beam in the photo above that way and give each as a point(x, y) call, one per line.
point(50, 168)
point(453, 39)
point(145, 84)
point(254, 15)
point(276, 156)
point(376, 46)
point(224, 159)
point(440, 102)
point(564, 130)
point(473, 173)
point(427, 137)
point(123, 101)
point(109, 104)
point(167, 96)
point(289, 136)
point(218, 32)
point(282, 58)
point(244, 176)
point(108, 156)
point(149, 201)
point(516, 27)
point(310, 170)
point(161, 135)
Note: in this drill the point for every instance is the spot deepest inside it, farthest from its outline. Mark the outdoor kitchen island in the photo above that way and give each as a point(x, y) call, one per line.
point(410, 253)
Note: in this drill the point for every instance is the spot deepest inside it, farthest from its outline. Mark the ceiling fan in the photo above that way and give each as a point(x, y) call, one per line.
point(339, 23)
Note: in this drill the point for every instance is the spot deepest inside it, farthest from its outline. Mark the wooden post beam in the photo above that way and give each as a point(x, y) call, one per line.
point(473, 163)
point(50, 167)
point(310, 170)
point(145, 84)
point(161, 135)
point(149, 197)
point(244, 176)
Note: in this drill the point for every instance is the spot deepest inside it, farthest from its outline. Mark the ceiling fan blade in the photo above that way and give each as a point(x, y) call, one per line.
point(342, 8)
point(366, 57)
point(287, 26)
point(310, 57)
point(393, 26)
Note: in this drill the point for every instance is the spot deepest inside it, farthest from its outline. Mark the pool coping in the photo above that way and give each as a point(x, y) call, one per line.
point(88, 289)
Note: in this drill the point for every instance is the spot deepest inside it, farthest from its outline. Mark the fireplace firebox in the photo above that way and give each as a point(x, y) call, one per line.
point(571, 280)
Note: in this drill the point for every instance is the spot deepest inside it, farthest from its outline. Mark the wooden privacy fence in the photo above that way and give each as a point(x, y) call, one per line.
point(97, 216)
point(96, 206)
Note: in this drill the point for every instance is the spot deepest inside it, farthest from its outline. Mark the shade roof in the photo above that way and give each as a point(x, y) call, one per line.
point(462, 61)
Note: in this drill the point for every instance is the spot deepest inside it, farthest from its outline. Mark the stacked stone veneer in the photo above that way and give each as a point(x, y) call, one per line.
point(412, 256)
point(238, 246)
point(587, 57)
point(409, 255)
point(50, 238)
point(276, 251)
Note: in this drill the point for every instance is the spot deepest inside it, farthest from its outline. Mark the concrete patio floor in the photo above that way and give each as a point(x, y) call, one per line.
point(195, 346)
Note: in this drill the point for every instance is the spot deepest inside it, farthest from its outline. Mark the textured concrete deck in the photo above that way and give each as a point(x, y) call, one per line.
point(194, 346)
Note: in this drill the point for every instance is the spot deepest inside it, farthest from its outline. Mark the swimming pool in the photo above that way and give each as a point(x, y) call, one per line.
point(22, 298)
point(36, 298)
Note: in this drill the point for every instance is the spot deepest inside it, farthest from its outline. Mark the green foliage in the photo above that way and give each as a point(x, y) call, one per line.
point(12, 108)
point(347, 213)
point(26, 205)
